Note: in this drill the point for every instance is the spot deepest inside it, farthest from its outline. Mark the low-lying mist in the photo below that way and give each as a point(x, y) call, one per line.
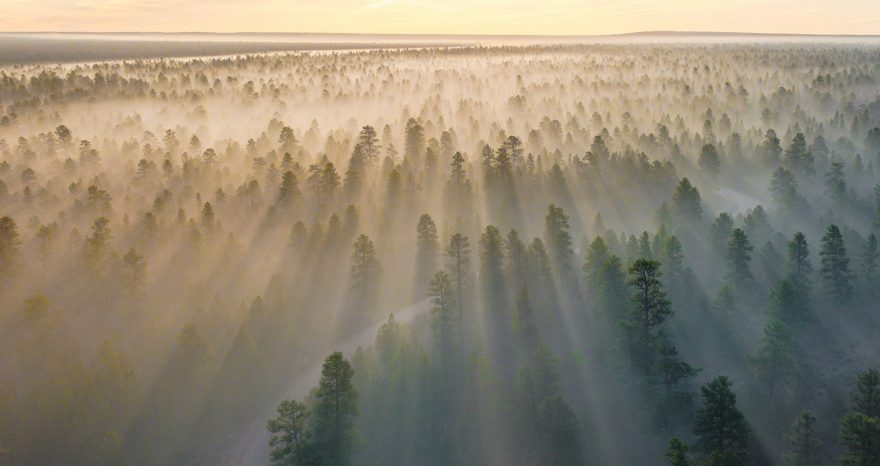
point(611, 253)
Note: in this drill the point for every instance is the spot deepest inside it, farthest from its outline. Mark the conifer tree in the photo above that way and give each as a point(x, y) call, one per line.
point(860, 428)
point(336, 405)
point(835, 265)
point(721, 429)
point(803, 445)
point(365, 266)
point(677, 453)
point(799, 270)
point(650, 309)
point(458, 264)
point(427, 250)
point(738, 257)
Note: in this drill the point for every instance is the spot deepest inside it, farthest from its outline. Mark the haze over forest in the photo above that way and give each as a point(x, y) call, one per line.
point(318, 249)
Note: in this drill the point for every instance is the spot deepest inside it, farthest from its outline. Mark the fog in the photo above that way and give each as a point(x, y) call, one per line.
point(644, 250)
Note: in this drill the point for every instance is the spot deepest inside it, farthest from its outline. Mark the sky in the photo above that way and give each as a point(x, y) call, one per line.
point(532, 17)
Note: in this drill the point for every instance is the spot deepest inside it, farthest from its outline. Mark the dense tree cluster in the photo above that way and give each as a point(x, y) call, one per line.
point(513, 255)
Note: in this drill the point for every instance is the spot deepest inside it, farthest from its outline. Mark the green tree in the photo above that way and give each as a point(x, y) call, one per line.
point(869, 264)
point(414, 142)
point(771, 148)
point(721, 429)
point(610, 288)
point(443, 318)
point(709, 160)
point(785, 191)
point(677, 453)
point(785, 303)
point(860, 428)
point(558, 239)
point(335, 409)
point(291, 441)
point(798, 156)
point(491, 267)
point(427, 249)
point(860, 434)
point(458, 263)
point(835, 265)
point(517, 259)
point(649, 310)
point(835, 183)
point(799, 270)
point(369, 144)
point(773, 361)
point(597, 255)
point(686, 203)
point(865, 398)
point(365, 266)
point(738, 257)
point(804, 448)
point(523, 318)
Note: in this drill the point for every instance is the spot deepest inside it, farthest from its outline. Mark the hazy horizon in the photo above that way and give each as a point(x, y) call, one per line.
point(505, 17)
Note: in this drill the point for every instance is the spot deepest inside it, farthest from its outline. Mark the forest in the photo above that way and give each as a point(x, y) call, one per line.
point(555, 254)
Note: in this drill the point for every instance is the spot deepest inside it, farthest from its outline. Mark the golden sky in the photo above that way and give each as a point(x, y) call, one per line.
point(570, 17)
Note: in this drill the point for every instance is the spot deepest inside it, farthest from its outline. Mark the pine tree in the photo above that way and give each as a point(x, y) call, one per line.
point(709, 160)
point(335, 410)
point(291, 441)
point(876, 224)
point(458, 264)
point(835, 265)
point(719, 233)
point(443, 313)
point(677, 453)
point(672, 266)
point(721, 429)
point(860, 428)
point(523, 319)
point(597, 255)
point(738, 258)
point(686, 202)
point(558, 239)
point(785, 304)
point(649, 310)
point(797, 156)
point(369, 144)
point(365, 266)
point(869, 266)
point(865, 399)
point(491, 267)
point(427, 249)
point(770, 148)
point(610, 288)
point(289, 191)
point(773, 361)
point(803, 445)
point(785, 192)
point(861, 436)
point(799, 270)
point(517, 259)
point(96, 244)
point(414, 147)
